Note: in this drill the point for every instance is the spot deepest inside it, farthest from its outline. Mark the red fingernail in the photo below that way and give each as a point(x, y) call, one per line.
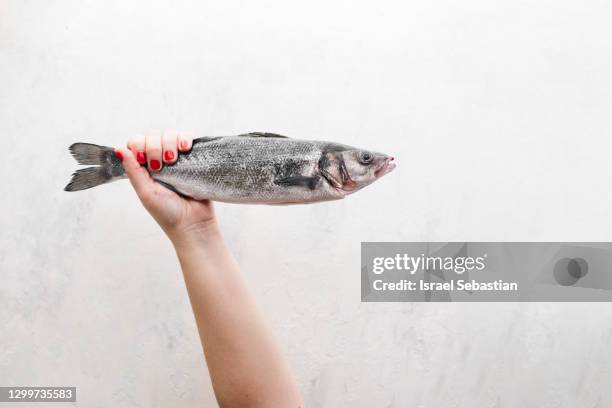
point(184, 144)
point(168, 155)
point(141, 157)
point(118, 155)
point(155, 164)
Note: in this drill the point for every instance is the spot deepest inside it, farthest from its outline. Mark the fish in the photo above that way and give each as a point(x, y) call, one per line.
point(252, 168)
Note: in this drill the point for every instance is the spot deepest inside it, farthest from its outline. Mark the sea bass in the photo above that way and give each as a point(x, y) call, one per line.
point(257, 168)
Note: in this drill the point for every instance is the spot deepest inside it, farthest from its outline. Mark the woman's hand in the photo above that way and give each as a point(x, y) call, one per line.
point(179, 217)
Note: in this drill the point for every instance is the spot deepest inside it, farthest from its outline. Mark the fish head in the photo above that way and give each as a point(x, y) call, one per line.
point(351, 169)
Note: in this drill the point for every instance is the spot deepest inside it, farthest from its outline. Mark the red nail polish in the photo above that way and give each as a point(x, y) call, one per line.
point(184, 144)
point(168, 155)
point(141, 157)
point(118, 155)
point(155, 164)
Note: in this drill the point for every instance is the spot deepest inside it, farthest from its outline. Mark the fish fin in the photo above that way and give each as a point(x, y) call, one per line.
point(252, 134)
point(298, 181)
point(91, 154)
point(331, 178)
point(348, 183)
point(263, 134)
point(89, 177)
point(172, 188)
point(333, 168)
point(108, 167)
point(205, 139)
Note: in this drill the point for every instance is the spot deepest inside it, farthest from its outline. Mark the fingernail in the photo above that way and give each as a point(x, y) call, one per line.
point(155, 164)
point(168, 155)
point(118, 155)
point(184, 144)
point(141, 157)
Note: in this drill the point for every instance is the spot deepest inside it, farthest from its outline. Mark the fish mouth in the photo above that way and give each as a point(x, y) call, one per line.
point(386, 167)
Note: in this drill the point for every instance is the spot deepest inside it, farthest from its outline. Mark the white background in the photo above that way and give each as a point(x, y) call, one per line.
point(499, 115)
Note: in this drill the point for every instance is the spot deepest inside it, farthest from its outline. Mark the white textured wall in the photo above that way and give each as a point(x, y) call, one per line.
point(498, 113)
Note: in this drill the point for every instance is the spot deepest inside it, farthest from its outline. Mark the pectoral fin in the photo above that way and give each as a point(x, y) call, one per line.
point(298, 181)
point(333, 168)
point(172, 188)
point(331, 178)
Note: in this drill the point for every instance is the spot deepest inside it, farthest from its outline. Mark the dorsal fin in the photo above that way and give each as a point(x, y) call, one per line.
point(263, 134)
point(205, 139)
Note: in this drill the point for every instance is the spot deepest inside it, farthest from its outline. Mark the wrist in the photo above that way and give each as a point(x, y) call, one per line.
point(195, 235)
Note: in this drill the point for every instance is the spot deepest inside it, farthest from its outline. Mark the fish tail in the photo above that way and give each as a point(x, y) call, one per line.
point(107, 166)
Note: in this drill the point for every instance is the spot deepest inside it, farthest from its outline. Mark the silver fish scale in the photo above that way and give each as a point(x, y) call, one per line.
point(244, 169)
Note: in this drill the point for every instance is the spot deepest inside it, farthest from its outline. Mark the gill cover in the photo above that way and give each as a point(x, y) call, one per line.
point(333, 168)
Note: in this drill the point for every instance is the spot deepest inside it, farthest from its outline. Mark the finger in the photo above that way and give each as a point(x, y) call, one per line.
point(137, 146)
point(154, 150)
point(169, 142)
point(185, 141)
point(138, 175)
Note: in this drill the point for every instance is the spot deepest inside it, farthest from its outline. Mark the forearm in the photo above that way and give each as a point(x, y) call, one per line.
point(246, 365)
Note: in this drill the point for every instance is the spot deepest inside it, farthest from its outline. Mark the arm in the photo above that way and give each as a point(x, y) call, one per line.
point(245, 363)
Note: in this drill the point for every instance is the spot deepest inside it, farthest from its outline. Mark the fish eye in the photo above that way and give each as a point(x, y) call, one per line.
point(366, 157)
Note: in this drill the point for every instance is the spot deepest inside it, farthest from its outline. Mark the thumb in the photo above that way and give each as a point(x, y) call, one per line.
point(138, 175)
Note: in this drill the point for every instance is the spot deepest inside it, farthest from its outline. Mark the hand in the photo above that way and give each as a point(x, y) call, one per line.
point(176, 215)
